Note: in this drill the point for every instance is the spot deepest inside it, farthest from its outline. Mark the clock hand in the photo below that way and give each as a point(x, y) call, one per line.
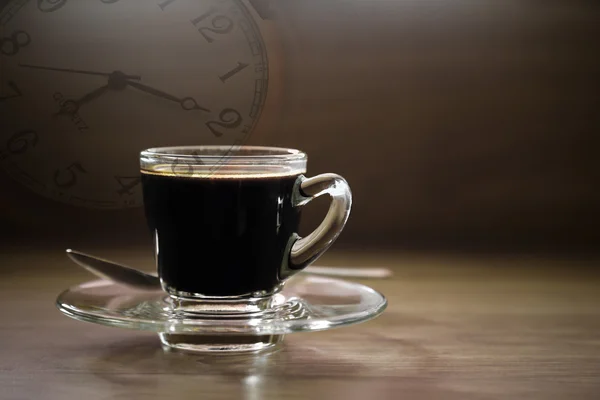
point(187, 103)
point(72, 106)
point(76, 71)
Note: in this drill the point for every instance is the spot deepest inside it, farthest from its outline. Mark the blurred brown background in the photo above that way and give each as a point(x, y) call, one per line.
point(459, 124)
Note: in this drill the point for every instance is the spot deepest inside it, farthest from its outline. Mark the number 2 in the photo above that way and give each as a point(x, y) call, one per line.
point(226, 121)
point(220, 24)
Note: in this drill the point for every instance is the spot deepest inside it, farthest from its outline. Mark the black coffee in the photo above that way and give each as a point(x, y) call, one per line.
point(220, 236)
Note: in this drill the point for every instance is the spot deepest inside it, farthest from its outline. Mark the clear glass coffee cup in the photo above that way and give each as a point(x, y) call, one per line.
point(225, 223)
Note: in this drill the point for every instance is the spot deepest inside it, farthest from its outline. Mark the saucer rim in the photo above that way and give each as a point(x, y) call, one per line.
point(204, 327)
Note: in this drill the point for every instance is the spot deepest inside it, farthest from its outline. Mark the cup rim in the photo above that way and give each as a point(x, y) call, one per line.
point(229, 152)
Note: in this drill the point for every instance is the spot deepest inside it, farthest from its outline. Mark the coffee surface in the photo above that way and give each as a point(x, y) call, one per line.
point(220, 235)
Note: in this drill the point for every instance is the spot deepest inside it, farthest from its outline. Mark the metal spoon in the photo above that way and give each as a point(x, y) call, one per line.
point(115, 272)
point(106, 269)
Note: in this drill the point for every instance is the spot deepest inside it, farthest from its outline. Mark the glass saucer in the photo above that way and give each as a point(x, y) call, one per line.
point(306, 304)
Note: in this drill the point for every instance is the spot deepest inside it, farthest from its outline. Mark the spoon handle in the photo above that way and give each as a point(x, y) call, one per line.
point(115, 272)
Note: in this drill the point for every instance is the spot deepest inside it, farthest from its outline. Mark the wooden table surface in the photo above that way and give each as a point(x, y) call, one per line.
point(456, 328)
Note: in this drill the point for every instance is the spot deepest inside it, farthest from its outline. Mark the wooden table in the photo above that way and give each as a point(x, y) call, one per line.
point(456, 328)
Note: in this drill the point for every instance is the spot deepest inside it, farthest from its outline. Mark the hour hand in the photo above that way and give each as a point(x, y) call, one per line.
point(71, 107)
point(187, 103)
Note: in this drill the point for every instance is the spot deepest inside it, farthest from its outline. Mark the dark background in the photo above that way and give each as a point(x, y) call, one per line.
point(460, 125)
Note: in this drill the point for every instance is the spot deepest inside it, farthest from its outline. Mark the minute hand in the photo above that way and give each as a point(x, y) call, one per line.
point(187, 103)
point(78, 71)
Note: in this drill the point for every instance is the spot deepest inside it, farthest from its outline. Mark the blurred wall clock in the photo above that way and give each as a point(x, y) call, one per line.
point(86, 84)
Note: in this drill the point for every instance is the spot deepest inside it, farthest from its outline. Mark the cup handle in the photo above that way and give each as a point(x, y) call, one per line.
point(305, 250)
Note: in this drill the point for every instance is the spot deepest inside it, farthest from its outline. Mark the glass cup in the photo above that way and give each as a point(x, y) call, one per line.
point(225, 223)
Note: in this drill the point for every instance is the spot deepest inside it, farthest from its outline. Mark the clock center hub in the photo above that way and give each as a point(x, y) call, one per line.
point(117, 80)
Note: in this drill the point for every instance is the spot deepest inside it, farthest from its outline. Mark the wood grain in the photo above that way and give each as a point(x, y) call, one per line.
point(456, 328)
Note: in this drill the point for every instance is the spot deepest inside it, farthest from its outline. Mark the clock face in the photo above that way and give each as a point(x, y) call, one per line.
point(85, 85)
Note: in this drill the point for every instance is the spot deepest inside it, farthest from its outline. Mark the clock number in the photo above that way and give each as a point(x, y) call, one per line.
point(220, 24)
point(11, 45)
point(190, 164)
point(21, 141)
point(53, 5)
point(164, 4)
point(17, 93)
point(234, 71)
point(230, 119)
point(127, 183)
point(67, 177)
point(11, 10)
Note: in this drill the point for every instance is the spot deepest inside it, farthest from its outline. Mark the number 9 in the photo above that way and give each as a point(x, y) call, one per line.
point(20, 141)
